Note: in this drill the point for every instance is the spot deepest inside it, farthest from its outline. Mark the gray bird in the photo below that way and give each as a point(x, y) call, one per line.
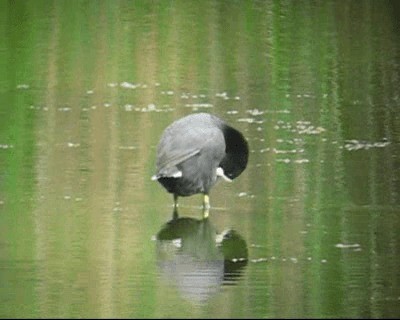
point(195, 151)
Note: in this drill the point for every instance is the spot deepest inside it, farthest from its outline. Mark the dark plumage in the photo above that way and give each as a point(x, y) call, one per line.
point(195, 151)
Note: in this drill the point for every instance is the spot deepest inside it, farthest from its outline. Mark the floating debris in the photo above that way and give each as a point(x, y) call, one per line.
point(64, 109)
point(352, 145)
point(258, 260)
point(128, 107)
point(222, 95)
point(151, 108)
point(300, 127)
point(298, 161)
point(199, 105)
point(128, 85)
point(245, 194)
point(6, 146)
point(278, 151)
point(301, 161)
point(347, 245)
point(168, 92)
point(73, 145)
point(238, 259)
point(255, 112)
point(277, 111)
point(250, 120)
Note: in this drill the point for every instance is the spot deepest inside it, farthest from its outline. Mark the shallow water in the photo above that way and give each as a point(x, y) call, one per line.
point(309, 230)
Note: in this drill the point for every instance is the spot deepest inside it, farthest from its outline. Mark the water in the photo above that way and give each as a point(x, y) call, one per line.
point(309, 230)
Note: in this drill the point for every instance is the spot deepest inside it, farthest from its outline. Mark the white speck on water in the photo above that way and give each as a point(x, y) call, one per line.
point(23, 86)
point(253, 245)
point(151, 107)
point(73, 145)
point(64, 109)
point(128, 107)
point(283, 160)
point(127, 147)
point(184, 96)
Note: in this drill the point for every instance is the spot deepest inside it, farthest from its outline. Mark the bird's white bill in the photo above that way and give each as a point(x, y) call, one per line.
point(220, 173)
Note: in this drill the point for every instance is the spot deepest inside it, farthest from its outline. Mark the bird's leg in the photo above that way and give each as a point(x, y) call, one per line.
point(206, 206)
point(175, 201)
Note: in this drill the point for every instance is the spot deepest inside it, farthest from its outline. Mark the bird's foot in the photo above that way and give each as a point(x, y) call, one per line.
point(206, 206)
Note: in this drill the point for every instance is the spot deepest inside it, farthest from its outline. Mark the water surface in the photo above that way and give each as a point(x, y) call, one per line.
point(309, 230)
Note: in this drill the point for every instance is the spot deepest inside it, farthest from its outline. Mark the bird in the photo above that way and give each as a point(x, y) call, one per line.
point(196, 151)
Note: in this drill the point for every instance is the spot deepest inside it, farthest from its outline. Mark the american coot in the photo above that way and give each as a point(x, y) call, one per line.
point(197, 150)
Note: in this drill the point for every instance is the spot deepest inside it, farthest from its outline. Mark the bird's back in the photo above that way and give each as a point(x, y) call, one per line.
point(186, 138)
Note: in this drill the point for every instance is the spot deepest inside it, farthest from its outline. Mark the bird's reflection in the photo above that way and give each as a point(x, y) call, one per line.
point(198, 260)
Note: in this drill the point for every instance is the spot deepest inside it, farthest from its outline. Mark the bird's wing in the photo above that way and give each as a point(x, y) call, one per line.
point(176, 147)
